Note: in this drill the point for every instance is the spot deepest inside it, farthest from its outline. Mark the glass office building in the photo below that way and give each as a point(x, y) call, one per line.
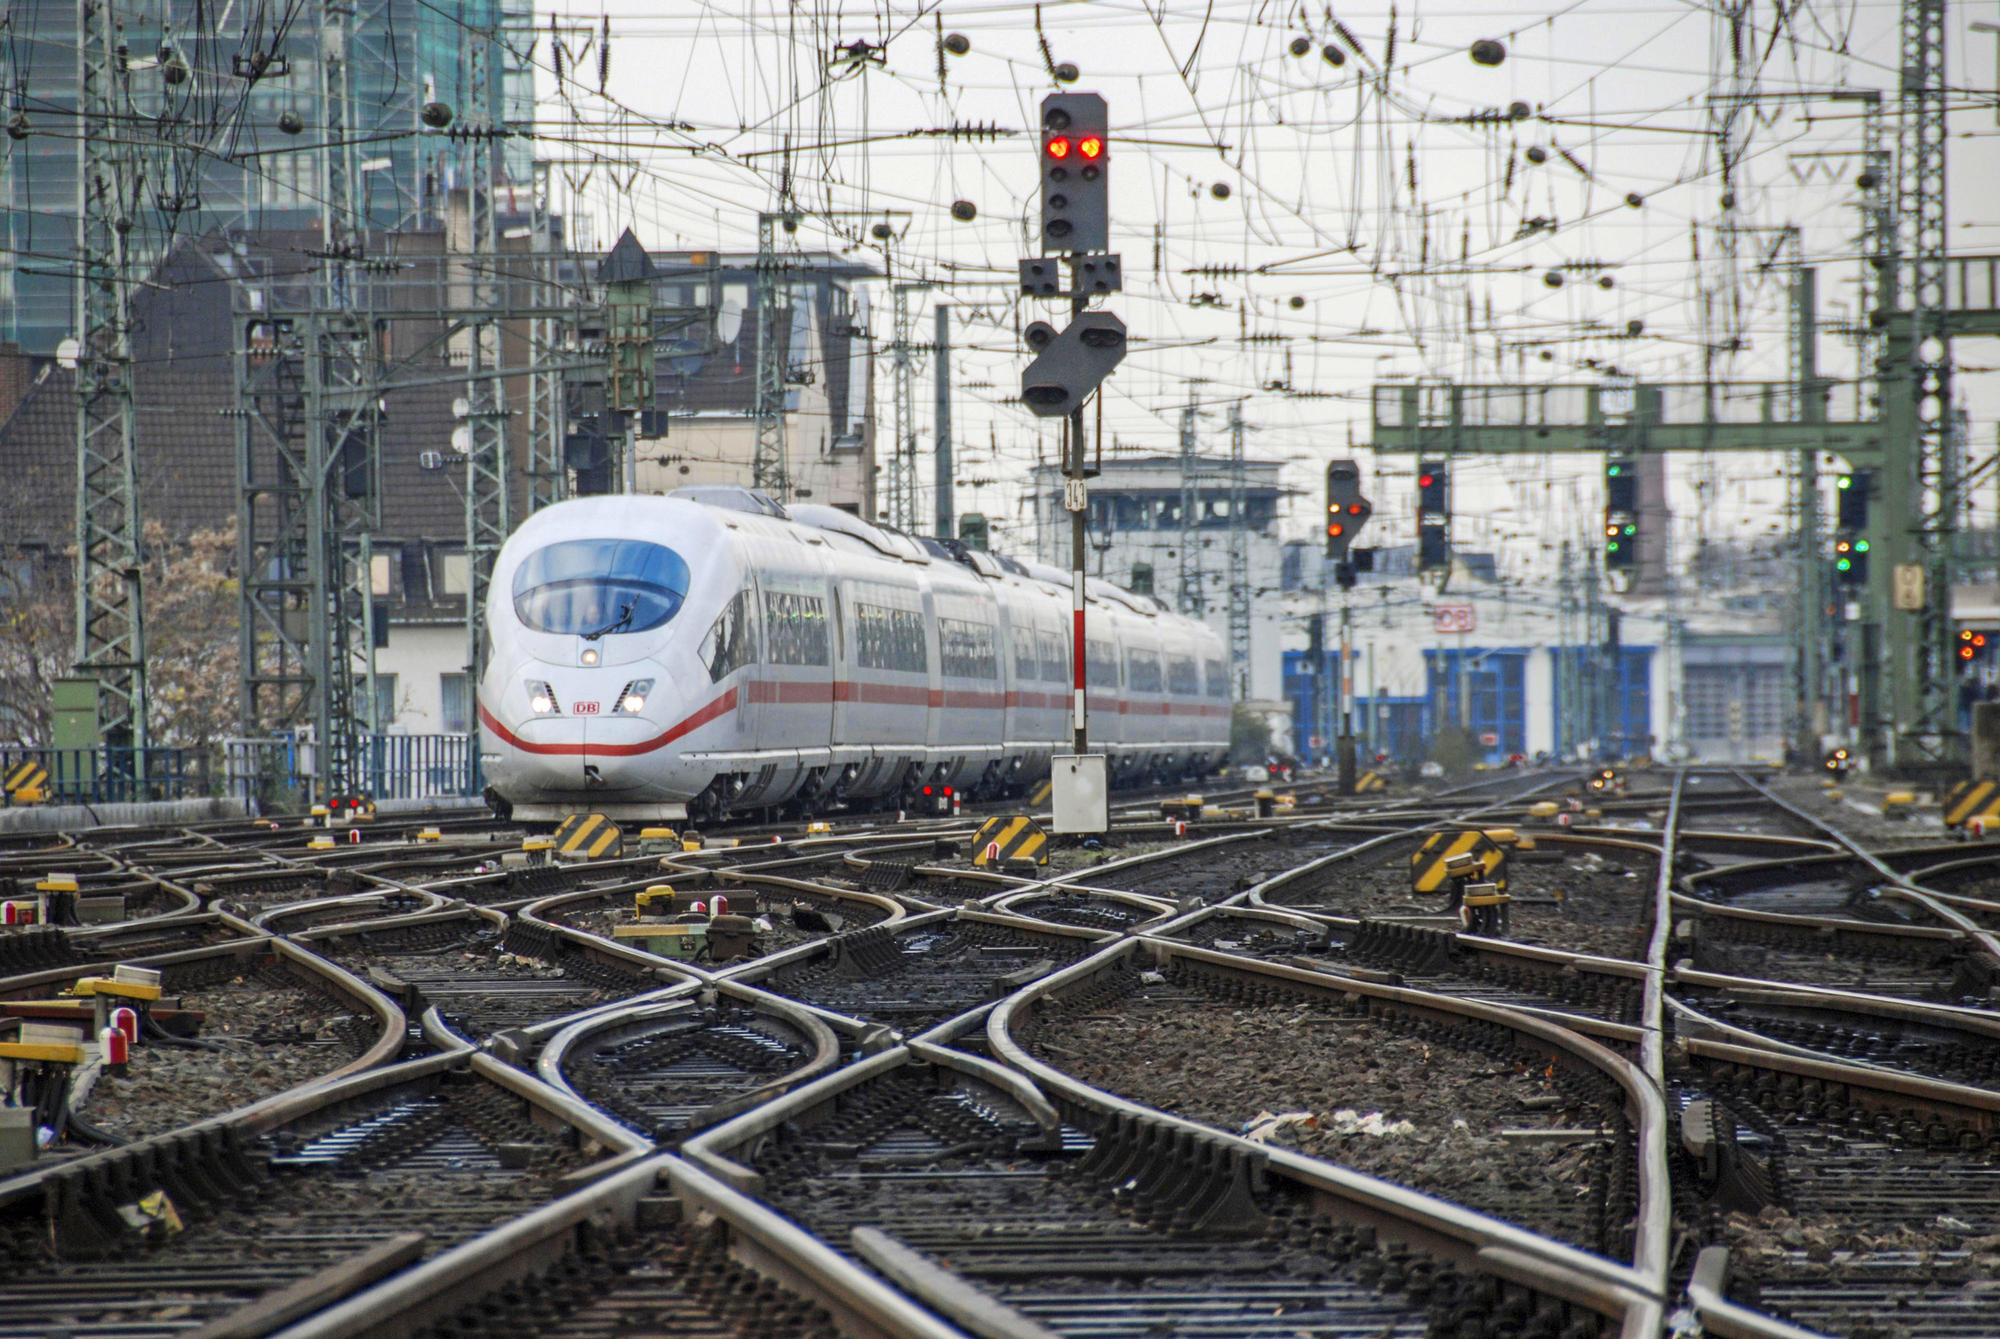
point(225, 120)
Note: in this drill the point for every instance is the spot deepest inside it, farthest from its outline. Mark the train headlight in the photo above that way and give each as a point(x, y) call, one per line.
point(542, 699)
point(632, 698)
point(590, 655)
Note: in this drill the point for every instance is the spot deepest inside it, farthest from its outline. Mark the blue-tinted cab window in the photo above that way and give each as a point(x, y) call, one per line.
point(595, 587)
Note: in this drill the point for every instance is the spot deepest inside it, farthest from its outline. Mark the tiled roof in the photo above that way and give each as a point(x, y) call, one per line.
point(183, 394)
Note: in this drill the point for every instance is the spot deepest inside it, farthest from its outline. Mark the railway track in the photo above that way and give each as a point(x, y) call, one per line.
point(468, 974)
point(1241, 1082)
point(300, 1202)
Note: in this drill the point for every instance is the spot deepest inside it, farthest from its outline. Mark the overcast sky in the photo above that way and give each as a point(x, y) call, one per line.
point(1416, 243)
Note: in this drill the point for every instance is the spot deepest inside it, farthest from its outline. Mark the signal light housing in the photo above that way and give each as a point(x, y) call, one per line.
point(1346, 510)
point(1076, 154)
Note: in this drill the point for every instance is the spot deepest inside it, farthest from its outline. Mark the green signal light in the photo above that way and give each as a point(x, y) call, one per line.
point(1844, 481)
point(1861, 546)
point(1631, 529)
point(1613, 470)
point(1612, 546)
point(1844, 565)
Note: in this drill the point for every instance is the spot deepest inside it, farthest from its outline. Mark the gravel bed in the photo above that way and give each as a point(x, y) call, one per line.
point(1433, 1108)
point(1867, 827)
point(1606, 907)
point(815, 918)
point(271, 1038)
point(1211, 875)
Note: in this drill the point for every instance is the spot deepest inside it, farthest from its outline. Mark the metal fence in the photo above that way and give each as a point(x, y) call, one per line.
point(107, 775)
point(277, 773)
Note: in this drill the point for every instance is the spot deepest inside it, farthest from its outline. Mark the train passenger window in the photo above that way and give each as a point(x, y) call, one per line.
point(966, 649)
point(732, 642)
point(1142, 670)
point(1055, 657)
point(1183, 677)
point(1027, 660)
point(1218, 679)
point(795, 628)
point(594, 587)
point(889, 639)
point(1101, 660)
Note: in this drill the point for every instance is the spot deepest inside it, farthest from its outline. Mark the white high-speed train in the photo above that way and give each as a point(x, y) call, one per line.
point(668, 657)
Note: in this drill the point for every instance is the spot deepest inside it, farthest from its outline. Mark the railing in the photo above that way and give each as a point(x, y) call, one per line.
point(109, 775)
point(420, 767)
point(277, 773)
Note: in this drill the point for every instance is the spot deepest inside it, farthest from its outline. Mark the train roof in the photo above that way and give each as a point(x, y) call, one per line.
point(893, 543)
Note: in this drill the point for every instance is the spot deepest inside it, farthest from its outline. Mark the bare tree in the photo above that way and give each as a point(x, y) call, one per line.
point(191, 621)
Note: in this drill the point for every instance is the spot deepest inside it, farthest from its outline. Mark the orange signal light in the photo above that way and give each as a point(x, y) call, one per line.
point(1354, 509)
point(1091, 147)
point(1336, 529)
point(1059, 147)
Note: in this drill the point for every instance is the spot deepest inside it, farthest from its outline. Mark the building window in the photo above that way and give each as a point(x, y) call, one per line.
point(455, 695)
point(385, 700)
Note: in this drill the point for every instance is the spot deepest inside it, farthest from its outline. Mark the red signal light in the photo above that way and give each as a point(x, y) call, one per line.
point(927, 790)
point(1091, 147)
point(1425, 480)
point(1058, 147)
point(1354, 509)
point(1336, 529)
point(1979, 639)
point(947, 791)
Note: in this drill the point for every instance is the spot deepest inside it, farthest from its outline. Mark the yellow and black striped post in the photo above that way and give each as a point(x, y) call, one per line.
point(1427, 862)
point(1039, 796)
point(1971, 799)
point(1003, 840)
point(25, 782)
point(589, 837)
point(1370, 783)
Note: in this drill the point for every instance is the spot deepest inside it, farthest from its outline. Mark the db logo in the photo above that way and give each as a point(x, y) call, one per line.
point(585, 708)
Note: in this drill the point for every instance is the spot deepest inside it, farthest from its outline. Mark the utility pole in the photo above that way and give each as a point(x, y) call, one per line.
point(110, 588)
point(1239, 555)
point(341, 429)
point(1920, 474)
point(548, 479)
point(770, 466)
point(1810, 721)
point(902, 454)
point(1191, 601)
point(942, 381)
point(489, 512)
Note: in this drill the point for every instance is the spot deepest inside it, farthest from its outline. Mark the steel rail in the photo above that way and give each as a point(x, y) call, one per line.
point(1626, 1292)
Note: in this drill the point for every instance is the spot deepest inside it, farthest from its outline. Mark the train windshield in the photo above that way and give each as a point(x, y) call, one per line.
point(594, 587)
